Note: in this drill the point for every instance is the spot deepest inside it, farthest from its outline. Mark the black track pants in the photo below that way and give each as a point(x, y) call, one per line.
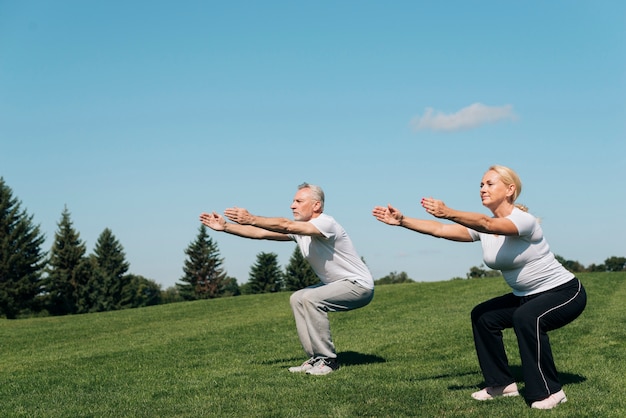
point(531, 317)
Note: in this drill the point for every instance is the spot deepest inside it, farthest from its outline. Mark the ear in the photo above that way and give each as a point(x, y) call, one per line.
point(510, 190)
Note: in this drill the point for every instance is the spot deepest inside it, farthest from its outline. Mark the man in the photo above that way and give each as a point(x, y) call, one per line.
point(346, 282)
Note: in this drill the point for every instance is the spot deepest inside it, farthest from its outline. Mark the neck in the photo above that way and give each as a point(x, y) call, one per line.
point(503, 210)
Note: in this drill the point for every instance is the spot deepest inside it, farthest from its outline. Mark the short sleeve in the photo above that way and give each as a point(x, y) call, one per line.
point(525, 222)
point(474, 235)
point(325, 225)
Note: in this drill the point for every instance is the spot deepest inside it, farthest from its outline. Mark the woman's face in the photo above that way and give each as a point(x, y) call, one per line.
point(493, 191)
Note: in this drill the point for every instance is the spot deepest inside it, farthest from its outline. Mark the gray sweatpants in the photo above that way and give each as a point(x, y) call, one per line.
point(311, 306)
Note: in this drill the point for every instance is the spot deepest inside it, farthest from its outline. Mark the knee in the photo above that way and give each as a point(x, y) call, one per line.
point(488, 319)
point(476, 314)
point(296, 298)
point(308, 301)
point(303, 298)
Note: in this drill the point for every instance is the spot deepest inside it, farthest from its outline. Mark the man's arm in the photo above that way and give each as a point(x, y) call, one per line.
point(217, 223)
point(278, 225)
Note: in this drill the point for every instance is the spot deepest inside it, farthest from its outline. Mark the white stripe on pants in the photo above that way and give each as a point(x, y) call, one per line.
point(310, 309)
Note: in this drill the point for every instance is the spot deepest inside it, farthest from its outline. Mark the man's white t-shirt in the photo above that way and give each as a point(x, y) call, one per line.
point(526, 262)
point(333, 256)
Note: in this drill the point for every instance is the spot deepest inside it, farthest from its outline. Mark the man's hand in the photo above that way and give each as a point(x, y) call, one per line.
point(240, 216)
point(388, 215)
point(213, 221)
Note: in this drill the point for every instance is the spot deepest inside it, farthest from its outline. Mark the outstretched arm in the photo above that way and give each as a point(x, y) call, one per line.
point(476, 221)
point(217, 223)
point(392, 216)
point(278, 225)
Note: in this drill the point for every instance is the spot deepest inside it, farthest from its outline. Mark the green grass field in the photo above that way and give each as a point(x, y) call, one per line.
point(409, 353)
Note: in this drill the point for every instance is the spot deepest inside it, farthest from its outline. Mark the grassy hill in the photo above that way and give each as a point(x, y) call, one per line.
point(409, 353)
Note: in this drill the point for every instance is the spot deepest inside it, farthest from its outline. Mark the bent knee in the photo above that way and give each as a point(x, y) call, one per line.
point(296, 298)
point(477, 313)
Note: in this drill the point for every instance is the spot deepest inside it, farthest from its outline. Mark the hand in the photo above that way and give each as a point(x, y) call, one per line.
point(434, 207)
point(239, 215)
point(388, 215)
point(213, 221)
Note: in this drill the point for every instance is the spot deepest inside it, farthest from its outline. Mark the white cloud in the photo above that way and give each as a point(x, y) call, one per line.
point(469, 117)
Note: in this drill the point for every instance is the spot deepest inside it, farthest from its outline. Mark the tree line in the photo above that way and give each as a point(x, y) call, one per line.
point(610, 264)
point(67, 280)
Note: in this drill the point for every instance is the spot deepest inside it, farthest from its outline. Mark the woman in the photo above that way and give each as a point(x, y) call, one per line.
point(545, 295)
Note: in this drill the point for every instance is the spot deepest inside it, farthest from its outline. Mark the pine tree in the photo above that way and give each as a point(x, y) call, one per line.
point(140, 292)
point(112, 265)
point(265, 274)
point(21, 258)
point(88, 289)
point(67, 272)
point(299, 273)
point(203, 276)
point(95, 291)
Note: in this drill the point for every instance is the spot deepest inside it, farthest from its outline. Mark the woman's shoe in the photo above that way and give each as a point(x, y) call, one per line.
point(551, 401)
point(495, 392)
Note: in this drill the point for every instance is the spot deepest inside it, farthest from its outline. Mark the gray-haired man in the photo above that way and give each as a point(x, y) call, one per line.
point(345, 281)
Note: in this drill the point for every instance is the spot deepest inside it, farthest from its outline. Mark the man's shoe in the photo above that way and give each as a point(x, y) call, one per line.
point(324, 366)
point(495, 392)
point(551, 401)
point(307, 365)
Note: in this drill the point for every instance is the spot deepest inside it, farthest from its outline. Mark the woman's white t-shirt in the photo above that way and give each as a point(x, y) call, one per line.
point(525, 260)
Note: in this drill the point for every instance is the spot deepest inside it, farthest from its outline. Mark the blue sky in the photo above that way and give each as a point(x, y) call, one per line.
point(139, 115)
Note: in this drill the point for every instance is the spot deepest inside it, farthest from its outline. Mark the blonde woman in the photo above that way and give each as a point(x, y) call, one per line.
point(545, 296)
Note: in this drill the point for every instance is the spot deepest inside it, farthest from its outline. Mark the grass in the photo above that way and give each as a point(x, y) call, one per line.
point(409, 353)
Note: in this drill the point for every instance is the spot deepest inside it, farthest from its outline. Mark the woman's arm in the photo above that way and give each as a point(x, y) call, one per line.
point(392, 216)
point(472, 220)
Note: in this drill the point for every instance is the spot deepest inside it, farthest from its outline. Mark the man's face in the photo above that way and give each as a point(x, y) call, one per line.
point(304, 207)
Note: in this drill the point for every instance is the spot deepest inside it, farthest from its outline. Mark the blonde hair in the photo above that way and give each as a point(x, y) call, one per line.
point(508, 177)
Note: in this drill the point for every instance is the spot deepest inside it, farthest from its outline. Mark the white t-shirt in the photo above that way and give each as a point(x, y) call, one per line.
point(333, 256)
point(526, 262)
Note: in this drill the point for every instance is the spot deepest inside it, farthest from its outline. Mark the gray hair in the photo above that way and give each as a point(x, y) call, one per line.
point(316, 192)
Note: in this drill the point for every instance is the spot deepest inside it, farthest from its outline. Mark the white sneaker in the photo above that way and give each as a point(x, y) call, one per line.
point(307, 365)
point(492, 392)
point(551, 401)
point(324, 366)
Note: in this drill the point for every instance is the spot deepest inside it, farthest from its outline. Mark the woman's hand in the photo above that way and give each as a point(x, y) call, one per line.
point(435, 207)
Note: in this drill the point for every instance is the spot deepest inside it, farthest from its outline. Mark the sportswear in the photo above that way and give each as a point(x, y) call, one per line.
point(525, 260)
point(333, 256)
